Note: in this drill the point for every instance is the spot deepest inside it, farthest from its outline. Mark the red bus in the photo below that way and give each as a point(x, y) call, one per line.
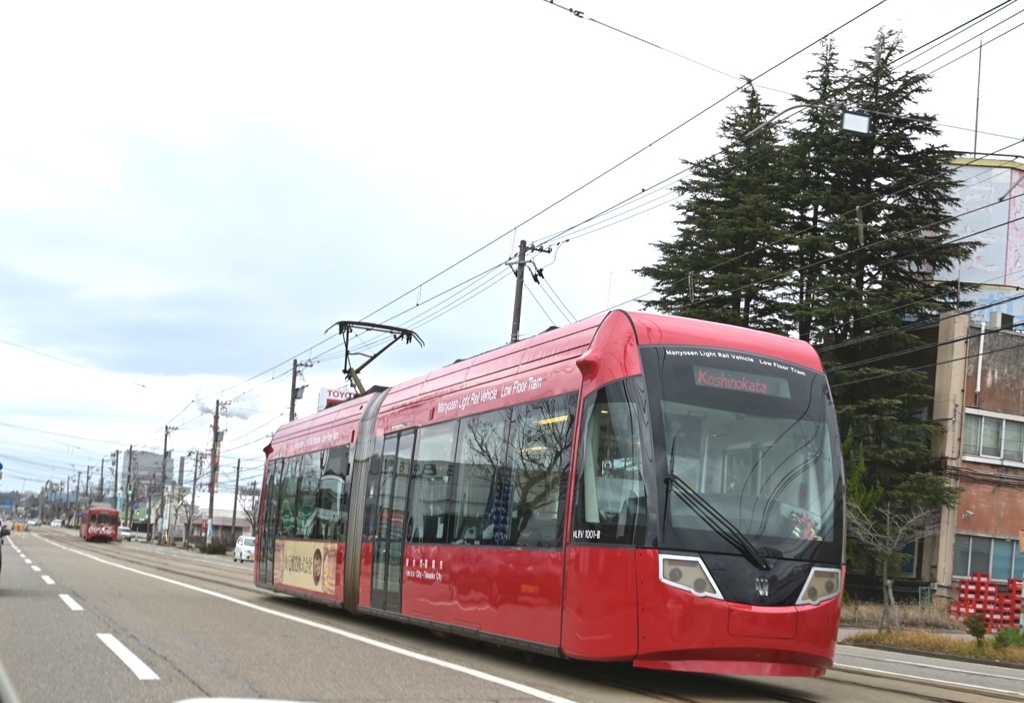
point(631, 487)
point(99, 523)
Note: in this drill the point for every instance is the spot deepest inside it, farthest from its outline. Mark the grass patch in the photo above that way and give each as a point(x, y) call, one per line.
point(995, 648)
point(928, 629)
point(929, 616)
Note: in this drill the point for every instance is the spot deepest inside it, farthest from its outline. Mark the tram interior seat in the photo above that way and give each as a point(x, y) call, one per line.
point(475, 532)
point(539, 532)
point(632, 518)
point(536, 532)
point(430, 529)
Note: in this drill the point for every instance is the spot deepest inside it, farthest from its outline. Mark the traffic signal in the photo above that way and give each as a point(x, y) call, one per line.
point(129, 489)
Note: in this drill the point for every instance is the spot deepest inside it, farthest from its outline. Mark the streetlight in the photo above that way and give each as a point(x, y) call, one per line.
point(853, 121)
point(856, 122)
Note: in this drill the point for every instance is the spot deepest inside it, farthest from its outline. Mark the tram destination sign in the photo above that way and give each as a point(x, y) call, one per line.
point(759, 384)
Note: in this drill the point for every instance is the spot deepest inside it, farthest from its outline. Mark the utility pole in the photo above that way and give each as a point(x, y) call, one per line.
point(296, 392)
point(128, 485)
point(88, 491)
point(214, 467)
point(520, 273)
point(234, 507)
point(78, 498)
point(117, 486)
point(103, 461)
point(163, 486)
point(192, 509)
point(149, 511)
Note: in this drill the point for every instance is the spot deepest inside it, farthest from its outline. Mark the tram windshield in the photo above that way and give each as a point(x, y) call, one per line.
point(751, 458)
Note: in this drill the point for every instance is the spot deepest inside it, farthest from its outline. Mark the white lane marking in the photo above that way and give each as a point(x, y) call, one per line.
point(483, 676)
point(844, 667)
point(126, 655)
point(36, 568)
point(70, 602)
point(27, 560)
point(48, 581)
point(922, 665)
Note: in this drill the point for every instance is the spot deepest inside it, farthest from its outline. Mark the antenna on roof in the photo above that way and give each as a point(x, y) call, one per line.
point(345, 330)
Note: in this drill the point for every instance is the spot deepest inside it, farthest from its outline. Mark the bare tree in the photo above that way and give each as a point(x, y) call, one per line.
point(189, 509)
point(884, 520)
point(884, 532)
point(249, 501)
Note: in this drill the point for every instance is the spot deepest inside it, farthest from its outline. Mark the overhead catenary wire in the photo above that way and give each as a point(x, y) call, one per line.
point(951, 33)
point(427, 317)
point(625, 160)
point(512, 230)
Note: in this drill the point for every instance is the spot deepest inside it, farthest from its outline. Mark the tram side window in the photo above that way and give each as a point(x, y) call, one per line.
point(480, 501)
point(610, 504)
point(540, 450)
point(306, 493)
point(270, 505)
point(271, 502)
point(332, 502)
point(287, 518)
point(373, 474)
point(430, 512)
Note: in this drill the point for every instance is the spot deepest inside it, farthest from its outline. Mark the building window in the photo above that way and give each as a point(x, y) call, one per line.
point(993, 437)
point(1002, 559)
point(999, 558)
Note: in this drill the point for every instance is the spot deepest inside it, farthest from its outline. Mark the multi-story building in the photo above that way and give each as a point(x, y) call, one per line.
point(978, 372)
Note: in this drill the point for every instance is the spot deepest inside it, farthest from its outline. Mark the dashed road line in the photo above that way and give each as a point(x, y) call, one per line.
point(129, 658)
point(70, 602)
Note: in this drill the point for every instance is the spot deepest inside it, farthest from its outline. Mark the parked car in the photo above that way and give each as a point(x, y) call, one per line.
point(245, 548)
point(55, 522)
point(127, 534)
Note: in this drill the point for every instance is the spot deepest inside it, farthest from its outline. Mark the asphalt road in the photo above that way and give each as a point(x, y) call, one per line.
point(137, 622)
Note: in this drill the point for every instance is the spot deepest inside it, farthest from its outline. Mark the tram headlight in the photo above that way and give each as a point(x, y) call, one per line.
point(821, 585)
point(689, 574)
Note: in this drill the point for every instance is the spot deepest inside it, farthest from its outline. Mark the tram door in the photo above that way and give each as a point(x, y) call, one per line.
point(396, 462)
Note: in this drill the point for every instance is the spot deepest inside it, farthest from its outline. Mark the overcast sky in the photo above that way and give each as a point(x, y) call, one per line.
point(191, 193)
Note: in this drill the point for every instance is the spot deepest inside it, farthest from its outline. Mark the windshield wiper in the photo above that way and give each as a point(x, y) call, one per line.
point(715, 520)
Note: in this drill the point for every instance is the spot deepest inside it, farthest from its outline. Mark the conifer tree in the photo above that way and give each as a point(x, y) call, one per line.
point(831, 236)
point(873, 212)
point(731, 219)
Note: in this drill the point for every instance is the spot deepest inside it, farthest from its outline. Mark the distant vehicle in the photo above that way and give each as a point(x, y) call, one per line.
point(127, 534)
point(4, 531)
point(245, 548)
point(55, 522)
point(631, 487)
point(35, 522)
point(99, 524)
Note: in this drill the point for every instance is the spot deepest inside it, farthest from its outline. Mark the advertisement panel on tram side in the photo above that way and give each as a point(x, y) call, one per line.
point(311, 567)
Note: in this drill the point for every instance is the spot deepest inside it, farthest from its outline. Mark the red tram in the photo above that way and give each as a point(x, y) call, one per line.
point(632, 487)
point(99, 523)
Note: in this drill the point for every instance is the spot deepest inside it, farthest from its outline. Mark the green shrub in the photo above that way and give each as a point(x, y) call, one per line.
point(977, 627)
point(214, 547)
point(1009, 637)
